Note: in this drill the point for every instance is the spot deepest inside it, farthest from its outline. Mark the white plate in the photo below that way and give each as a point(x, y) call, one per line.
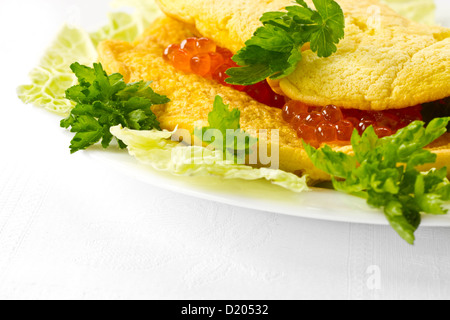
point(261, 195)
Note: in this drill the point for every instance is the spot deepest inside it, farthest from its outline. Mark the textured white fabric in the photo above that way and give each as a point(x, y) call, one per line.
point(67, 233)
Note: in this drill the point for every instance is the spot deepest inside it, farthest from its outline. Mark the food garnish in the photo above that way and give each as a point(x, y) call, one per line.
point(204, 58)
point(384, 171)
point(106, 101)
point(276, 48)
point(228, 125)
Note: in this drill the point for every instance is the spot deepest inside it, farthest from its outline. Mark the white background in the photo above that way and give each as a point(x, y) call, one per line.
point(72, 228)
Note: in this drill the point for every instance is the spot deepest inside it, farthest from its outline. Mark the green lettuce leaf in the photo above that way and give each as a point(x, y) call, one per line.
point(53, 76)
point(156, 149)
point(422, 11)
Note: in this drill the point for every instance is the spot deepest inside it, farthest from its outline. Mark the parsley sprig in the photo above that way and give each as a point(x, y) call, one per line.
point(103, 102)
point(275, 49)
point(235, 142)
point(384, 171)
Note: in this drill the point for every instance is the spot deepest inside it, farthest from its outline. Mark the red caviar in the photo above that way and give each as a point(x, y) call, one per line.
point(202, 57)
point(331, 124)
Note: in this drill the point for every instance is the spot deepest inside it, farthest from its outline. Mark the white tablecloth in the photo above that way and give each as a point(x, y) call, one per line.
point(71, 228)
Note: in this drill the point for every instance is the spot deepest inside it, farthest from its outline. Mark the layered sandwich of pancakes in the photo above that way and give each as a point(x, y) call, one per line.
point(387, 72)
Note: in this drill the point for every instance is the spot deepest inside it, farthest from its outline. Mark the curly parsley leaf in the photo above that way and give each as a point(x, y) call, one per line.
point(275, 49)
point(384, 171)
point(106, 101)
point(224, 132)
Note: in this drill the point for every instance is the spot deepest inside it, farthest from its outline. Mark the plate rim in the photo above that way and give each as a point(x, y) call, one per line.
point(183, 185)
